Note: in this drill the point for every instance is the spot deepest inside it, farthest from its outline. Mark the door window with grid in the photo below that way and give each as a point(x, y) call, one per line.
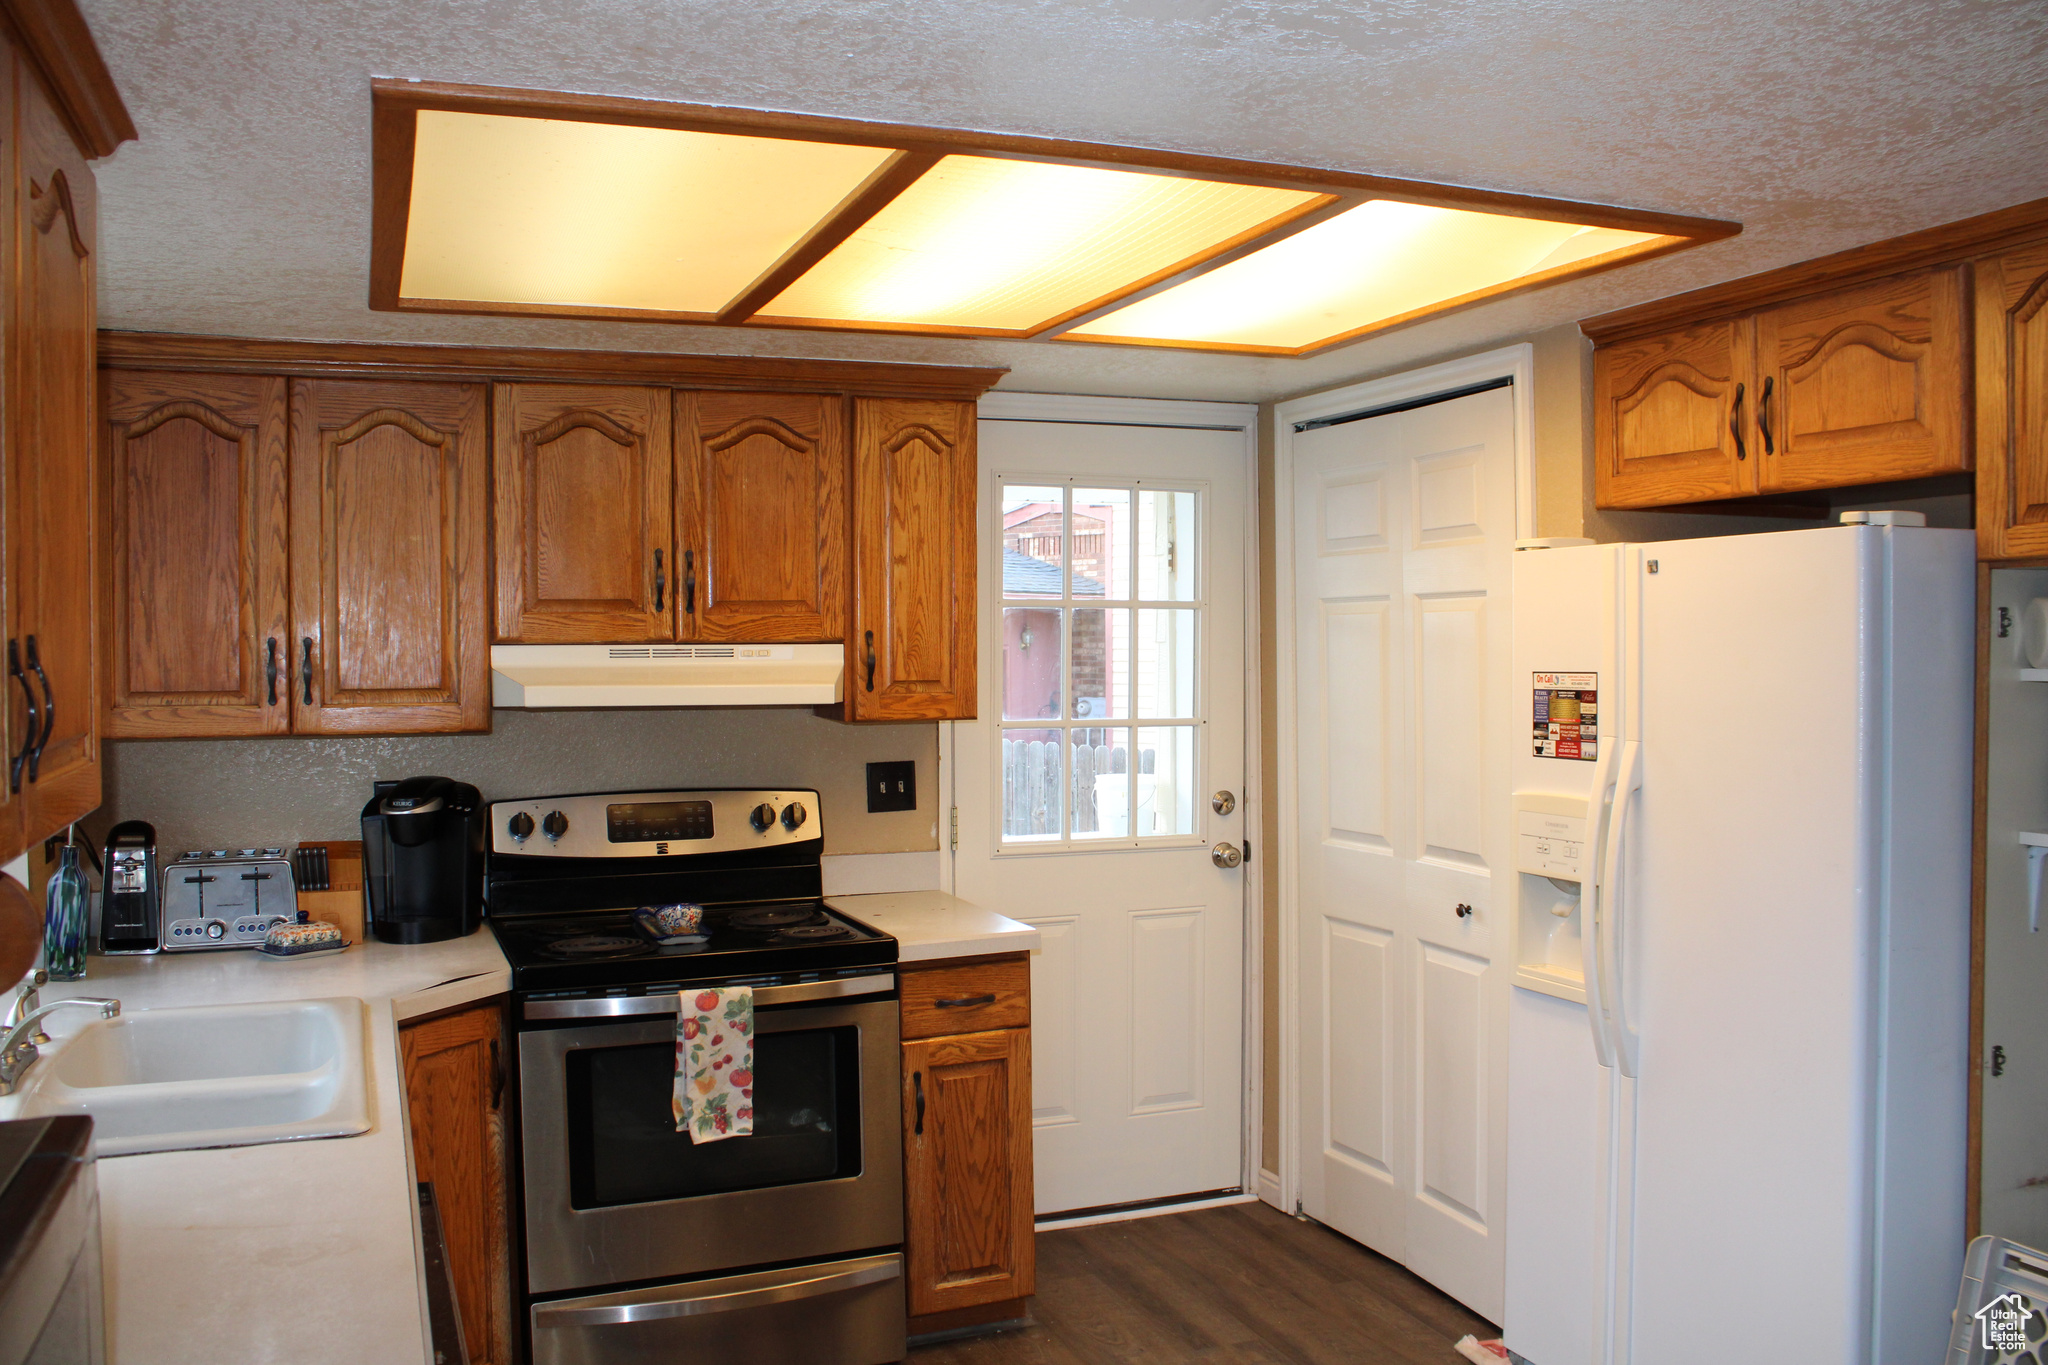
point(1101, 611)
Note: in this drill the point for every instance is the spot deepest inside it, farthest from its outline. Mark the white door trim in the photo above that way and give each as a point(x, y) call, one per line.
point(1001, 405)
point(1516, 363)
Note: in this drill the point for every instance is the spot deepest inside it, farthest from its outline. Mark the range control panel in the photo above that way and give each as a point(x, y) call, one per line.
point(652, 824)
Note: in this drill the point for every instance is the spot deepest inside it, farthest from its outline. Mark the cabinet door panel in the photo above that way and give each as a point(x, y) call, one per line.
point(1865, 385)
point(967, 1170)
point(910, 645)
point(196, 470)
point(54, 390)
point(2012, 403)
point(761, 523)
point(388, 527)
point(1669, 417)
point(583, 514)
point(454, 1085)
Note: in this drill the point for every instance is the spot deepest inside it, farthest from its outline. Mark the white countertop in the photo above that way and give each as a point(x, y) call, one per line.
point(299, 1252)
point(929, 925)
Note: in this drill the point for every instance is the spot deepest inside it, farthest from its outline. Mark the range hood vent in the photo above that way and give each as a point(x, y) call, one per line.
point(555, 676)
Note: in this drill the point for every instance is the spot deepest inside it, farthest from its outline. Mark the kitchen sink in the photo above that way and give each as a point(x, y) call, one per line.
point(210, 1076)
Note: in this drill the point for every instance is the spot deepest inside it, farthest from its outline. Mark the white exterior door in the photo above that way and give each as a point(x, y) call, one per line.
point(1402, 530)
point(1111, 710)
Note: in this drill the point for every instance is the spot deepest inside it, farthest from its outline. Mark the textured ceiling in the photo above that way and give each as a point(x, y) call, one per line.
point(245, 208)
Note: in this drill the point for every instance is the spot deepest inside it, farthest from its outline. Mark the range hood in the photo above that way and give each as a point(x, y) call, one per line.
point(540, 676)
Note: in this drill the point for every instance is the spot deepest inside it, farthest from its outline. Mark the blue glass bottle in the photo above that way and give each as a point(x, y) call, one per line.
point(64, 919)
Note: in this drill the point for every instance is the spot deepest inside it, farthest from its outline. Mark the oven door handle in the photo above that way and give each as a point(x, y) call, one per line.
point(616, 1006)
point(617, 1314)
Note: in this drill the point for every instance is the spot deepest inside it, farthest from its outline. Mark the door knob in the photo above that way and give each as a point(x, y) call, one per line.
point(1226, 855)
point(1464, 911)
point(1223, 803)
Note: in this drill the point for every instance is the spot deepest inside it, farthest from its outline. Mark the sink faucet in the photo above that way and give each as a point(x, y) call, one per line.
point(27, 999)
point(18, 1051)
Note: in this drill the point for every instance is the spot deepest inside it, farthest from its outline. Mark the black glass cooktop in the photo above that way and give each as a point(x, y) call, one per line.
point(600, 948)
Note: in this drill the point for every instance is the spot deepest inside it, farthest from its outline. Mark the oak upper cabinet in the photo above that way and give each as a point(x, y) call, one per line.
point(53, 494)
point(2012, 403)
point(1669, 417)
point(198, 615)
point(1864, 385)
point(761, 516)
point(455, 1088)
point(968, 1237)
point(910, 642)
point(388, 529)
point(583, 514)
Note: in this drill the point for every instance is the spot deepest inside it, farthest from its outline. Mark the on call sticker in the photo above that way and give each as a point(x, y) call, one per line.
point(1567, 715)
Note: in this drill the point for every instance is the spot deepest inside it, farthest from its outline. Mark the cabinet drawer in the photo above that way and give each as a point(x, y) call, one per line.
point(967, 997)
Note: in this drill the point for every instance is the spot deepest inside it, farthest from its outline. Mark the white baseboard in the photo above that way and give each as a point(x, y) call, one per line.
point(858, 874)
point(1089, 1220)
point(1269, 1189)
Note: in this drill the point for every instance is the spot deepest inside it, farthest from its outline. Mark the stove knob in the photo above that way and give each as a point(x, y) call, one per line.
point(762, 817)
point(521, 827)
point(793, 816)
point(554, 824)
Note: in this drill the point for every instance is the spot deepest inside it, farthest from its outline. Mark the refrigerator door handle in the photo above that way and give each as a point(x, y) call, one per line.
point(1593, 909)
point(1629, 781)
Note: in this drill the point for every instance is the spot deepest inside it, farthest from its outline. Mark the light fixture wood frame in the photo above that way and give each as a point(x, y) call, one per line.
point(396, 104)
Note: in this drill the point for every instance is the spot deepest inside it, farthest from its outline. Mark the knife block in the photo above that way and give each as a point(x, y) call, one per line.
point(342, 903)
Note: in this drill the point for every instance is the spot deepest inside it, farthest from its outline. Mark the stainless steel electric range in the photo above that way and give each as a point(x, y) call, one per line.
point(640, 1245)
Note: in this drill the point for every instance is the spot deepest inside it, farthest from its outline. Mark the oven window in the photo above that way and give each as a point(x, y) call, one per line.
point(624, 1147)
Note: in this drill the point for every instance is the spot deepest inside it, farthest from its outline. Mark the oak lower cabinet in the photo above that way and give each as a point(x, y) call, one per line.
point(910, 645)
point(2012, 403)
point(969, 1249)
point(454, 1088)
point(295, 556)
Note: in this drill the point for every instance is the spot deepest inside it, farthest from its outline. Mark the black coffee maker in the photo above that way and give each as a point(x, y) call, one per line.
point(423, 859)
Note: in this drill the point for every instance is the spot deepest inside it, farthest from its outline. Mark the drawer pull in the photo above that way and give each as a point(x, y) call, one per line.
point(965, 1001)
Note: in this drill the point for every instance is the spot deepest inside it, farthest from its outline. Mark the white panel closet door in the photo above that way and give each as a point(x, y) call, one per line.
point(1403, 528)
point(1112, 707)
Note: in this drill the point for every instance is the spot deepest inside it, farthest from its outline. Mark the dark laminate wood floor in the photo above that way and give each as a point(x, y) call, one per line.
point(1240, 1285)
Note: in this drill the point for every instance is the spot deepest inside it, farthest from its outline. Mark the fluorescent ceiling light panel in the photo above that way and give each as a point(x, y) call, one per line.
point(988, 243)
point(1367, 266)
point(598, 215)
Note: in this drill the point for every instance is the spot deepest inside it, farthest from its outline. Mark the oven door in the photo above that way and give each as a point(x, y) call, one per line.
point(614, 1194)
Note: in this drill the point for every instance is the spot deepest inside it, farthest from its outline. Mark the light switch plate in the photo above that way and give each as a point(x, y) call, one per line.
point(892, 786)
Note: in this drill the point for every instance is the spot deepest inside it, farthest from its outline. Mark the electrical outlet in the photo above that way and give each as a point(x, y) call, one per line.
point(892, 786)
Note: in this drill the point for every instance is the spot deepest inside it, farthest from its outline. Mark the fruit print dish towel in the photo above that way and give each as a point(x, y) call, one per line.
point(714, 1094)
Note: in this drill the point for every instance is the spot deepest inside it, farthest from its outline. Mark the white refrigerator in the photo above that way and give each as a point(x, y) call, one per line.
point(1738, 1023)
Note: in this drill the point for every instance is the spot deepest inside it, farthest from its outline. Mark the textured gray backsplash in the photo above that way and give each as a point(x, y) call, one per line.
point(239, 792)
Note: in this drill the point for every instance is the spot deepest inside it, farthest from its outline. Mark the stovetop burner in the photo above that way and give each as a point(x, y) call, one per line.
point(776, 917)
point(814, 933)
point(587, 946)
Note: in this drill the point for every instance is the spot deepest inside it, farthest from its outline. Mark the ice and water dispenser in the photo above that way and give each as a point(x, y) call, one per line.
point(1553, 862)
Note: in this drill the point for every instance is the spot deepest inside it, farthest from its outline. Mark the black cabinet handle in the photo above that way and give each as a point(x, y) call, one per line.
point(306, 667)
point(1735, 425)
point(270, 669)
point(28, 694)
point(964, 1001)
point(689, 582)
point(497, 1077)
point(35, 757)
point(1763, 415)
point(660, 583)
point(917, 1083)
point(871, 660)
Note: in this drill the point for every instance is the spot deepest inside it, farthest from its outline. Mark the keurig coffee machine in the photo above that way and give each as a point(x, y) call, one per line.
point(423, 859)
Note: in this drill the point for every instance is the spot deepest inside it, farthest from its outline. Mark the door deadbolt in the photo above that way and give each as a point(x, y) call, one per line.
point(1226, 855)
point(1223, 803)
